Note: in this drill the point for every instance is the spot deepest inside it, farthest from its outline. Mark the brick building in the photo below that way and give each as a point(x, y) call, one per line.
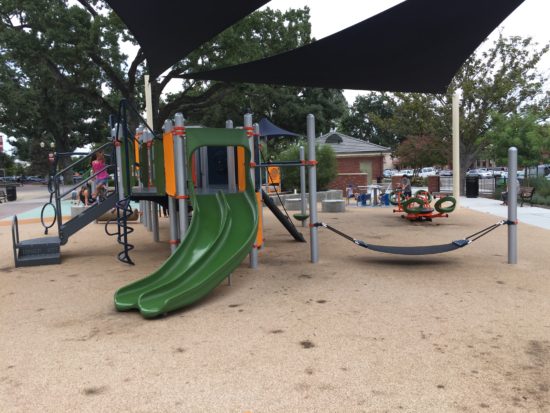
point(359, 162)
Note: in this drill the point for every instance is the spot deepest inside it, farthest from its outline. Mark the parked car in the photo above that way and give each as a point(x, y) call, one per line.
point(408, 172)
point(481, 173)
point(388, 173)
point(498, 171)
point(445, 172)
point(428, 171)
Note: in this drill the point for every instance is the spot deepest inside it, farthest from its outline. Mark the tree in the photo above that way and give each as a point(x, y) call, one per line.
point(327, 168)
point(525, 132)
point(499, 82)
point(502, 79)
point(7, 164)
point(368, 117)
point(419, 151)
point(63, 72)
point(54, 64)
point(263, 33)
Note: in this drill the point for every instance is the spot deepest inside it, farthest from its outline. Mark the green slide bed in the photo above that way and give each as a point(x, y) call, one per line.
point(220, 236)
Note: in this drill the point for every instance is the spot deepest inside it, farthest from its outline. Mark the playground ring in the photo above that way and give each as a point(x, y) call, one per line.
point(439, 204)
point(420, 209)
point(397, 197)
point(422, 193)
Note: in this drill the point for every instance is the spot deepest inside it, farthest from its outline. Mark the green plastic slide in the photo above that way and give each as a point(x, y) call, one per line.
point(220, 236)
point(202, 234)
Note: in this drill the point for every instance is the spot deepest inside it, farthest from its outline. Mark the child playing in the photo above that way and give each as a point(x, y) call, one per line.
point(349, 193)
point(102, 177)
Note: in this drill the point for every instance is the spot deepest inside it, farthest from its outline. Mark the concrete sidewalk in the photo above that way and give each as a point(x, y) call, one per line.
point(539, 217)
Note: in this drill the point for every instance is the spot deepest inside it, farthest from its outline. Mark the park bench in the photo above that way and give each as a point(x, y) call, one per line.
point(526, 194)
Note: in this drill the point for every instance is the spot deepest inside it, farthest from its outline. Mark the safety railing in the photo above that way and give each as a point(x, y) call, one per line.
point(54, 187)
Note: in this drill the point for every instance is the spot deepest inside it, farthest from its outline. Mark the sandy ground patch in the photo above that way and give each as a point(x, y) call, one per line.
point(360, 331)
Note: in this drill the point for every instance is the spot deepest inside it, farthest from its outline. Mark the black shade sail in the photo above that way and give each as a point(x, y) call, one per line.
point(416, 46)
point(168, 30)
point(268, 129)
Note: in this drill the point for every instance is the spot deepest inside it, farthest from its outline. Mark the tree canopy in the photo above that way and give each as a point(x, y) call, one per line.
point(326, 169)
point(500, 82)
point(63, 71)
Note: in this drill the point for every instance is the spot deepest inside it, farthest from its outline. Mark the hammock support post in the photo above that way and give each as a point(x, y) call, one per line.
point(512, 205)
point(314, 243)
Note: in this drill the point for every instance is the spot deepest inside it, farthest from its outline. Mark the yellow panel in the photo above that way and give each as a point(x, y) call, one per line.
point(136, 150)
point(260, 235)
point(273, 175)
point(241, 170)
point(169, 165)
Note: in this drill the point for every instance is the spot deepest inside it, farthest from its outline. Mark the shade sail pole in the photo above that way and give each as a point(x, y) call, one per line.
point(456, 147)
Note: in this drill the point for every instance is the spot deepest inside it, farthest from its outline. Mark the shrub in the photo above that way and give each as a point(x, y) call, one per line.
point(326, 167)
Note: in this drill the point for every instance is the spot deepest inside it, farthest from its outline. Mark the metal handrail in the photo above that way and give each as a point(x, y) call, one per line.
point(89, 155)
point(127, 104)
point(15, 237)
point(84, 181)
point(55, 178)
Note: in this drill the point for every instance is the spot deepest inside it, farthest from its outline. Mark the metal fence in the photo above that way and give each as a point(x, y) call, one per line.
point(487, 186)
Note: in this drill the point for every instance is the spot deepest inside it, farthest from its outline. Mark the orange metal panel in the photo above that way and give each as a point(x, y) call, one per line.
point(241, 170)
point(260, 235)
point(169, 165)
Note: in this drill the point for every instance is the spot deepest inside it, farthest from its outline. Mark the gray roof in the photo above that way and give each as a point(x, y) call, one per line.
point(343, 144)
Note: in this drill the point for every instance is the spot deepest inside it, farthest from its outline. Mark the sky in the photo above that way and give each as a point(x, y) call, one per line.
point(328, 17)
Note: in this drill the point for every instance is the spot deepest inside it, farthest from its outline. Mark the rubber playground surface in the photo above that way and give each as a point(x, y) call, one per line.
point(359, 331)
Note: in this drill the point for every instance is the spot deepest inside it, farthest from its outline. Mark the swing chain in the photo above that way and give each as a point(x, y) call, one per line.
point(485, 231)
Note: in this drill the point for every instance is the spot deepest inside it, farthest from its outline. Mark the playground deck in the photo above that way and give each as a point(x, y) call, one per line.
point(360, 331)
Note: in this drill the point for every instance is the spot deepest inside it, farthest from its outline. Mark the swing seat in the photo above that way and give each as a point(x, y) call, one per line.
point(300, 217)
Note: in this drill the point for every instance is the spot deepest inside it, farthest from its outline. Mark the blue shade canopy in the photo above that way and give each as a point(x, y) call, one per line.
point(416, 46)
point(168, 30)
point(268, 129)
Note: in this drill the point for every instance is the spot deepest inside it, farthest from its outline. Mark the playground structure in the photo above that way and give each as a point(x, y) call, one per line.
point(218, 168)
point(208, 174)
point(215, 170)
point(418, 207)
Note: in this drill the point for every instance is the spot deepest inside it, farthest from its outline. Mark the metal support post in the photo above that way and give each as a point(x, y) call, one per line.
point(250, 134)
point(512, 200)
point(312, 163)
point(258, 176)
point(172, 215)
point(155, 221)
point(142, 204)
point(231, 177)
point(117, 141)
point(181, 171)
point(303, 184)
point(149, 116)
point(203, 167)
point(149, 216)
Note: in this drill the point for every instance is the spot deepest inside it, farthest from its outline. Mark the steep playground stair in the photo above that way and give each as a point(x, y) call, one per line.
point(90, 214)
point(47, 250)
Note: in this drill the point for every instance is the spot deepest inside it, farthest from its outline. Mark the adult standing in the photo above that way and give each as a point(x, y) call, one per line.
point(406, 186)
